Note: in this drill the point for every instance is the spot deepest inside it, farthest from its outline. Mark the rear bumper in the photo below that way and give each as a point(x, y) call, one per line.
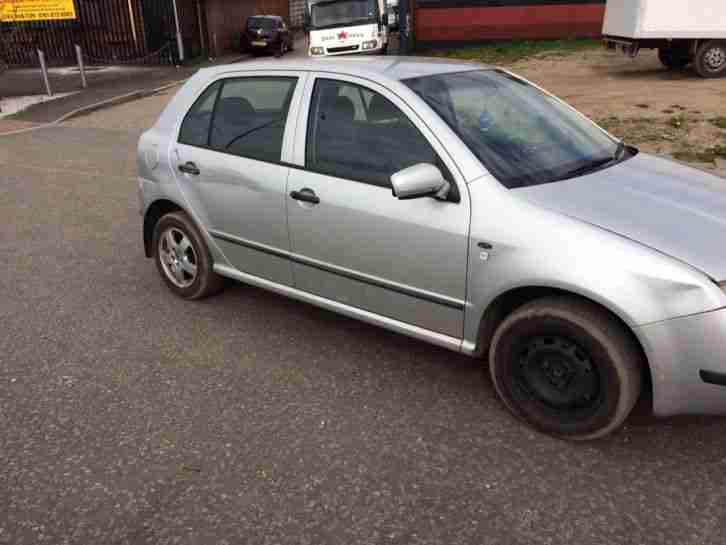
point(688, 363)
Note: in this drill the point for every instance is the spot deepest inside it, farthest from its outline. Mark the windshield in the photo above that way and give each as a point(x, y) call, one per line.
point(260, 22)
point(343, 13)
point(523, 136)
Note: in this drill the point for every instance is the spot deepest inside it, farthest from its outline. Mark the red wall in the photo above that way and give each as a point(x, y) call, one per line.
point(457, 24)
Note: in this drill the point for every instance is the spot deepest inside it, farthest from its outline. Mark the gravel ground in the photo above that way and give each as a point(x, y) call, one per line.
point(129, 416)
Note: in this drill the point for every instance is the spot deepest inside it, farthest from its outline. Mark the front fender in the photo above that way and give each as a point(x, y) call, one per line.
point(534, 247)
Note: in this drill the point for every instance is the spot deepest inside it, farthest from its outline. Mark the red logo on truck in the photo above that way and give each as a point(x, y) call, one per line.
point(343, 35)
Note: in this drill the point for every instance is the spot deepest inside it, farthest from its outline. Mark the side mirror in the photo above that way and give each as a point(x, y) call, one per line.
point(421, 180)
point(306, 22)
point(384, 19)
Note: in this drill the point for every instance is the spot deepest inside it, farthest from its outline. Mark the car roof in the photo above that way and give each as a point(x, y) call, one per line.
point(264, 17)
point(386, 67)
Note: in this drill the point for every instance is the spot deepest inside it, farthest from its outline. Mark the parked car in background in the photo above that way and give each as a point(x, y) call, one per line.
point(460, 205)
point(683, 32)
point(346, 27)
point(267, 34)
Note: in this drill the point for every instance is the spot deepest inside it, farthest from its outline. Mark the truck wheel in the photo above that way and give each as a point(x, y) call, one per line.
point(566, 367)
point(671, 58)
point(711, 59)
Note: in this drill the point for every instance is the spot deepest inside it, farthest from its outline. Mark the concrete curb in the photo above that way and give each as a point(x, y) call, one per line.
point(107, 103)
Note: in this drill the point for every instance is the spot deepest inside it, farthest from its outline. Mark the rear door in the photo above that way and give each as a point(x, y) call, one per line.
point(352, 240)
point(229, 163)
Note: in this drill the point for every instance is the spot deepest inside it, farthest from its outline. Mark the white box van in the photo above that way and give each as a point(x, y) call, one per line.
point(345, 27)
point(684, 32)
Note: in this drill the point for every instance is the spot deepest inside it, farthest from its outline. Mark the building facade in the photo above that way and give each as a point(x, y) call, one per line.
point(481, 20)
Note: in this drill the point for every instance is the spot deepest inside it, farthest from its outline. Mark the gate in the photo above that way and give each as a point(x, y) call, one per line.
point(109, 31)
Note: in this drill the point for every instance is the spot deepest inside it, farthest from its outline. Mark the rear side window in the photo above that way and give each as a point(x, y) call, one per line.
point(358, 134)
point(241, 116)
point(195, 128)
point(250, 115)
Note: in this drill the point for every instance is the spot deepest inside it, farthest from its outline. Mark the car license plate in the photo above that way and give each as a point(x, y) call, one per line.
point(259, 44)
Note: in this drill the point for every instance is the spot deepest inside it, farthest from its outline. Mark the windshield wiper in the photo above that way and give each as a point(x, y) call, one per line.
point(587, 168)
point(594, 164)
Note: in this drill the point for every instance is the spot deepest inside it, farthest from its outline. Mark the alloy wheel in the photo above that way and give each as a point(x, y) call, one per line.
point(178, 257)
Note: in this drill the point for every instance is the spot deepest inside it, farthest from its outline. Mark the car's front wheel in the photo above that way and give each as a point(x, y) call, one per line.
point(183, 259)
point(566, 367)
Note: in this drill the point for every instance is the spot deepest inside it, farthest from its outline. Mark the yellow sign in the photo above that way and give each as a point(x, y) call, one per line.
point(36, 10)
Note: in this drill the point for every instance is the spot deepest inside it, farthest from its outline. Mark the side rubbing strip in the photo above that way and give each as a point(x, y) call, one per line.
point(711, 377)
point(249, 244)
point(405, 290)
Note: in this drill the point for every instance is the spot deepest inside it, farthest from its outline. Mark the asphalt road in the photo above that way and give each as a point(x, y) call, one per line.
point(129, 416)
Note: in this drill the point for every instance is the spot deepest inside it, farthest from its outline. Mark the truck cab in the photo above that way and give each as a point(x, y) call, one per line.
point(345, 27)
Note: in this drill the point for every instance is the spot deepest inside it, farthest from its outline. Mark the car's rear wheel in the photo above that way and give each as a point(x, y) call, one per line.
point(566, 367)
point(710, 59)
point(183, 259)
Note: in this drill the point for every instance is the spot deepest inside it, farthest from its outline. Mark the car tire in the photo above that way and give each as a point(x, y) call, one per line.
point(673, 59)
point(566, 367)
point(183, 259)
point(710, 59)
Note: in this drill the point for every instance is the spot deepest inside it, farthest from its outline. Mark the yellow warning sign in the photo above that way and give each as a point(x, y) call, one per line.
point(36, 10)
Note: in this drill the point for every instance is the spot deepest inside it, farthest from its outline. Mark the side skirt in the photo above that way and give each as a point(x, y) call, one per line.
point(409, 330)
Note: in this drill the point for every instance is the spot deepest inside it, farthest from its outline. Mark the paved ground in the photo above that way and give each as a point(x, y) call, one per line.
point(103, 83)
point(128, 416)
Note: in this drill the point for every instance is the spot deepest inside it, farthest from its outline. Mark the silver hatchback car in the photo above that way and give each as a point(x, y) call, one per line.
point(457, 204)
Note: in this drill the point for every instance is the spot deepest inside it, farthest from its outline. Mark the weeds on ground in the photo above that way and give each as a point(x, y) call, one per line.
point(678, 122)
point(708, 156)
point(719, 122)
point(513, 51)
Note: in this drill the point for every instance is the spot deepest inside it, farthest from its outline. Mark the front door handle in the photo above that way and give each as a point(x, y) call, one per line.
point(189, 168)
point(305, 195)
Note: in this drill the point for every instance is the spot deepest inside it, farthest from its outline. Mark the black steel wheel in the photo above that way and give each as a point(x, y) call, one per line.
point(566, 367)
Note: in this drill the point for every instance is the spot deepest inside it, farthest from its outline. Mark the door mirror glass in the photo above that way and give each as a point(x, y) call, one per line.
point(384, 19)
point(421, 180)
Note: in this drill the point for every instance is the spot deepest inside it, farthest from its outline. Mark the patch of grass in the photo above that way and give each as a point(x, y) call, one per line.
point(609, 123)
point(708, 155)
point(719, 122)
point(678, 122)
point(516, 50)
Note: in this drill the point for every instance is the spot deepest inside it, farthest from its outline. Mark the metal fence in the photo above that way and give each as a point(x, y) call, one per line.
point(109, 31)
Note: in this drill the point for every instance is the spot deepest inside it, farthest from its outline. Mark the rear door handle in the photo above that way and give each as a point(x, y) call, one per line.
point(189, 168)
point(305, 195)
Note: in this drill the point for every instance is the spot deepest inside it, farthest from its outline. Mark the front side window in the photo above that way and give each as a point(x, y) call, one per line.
point(357, 134)
point(248, 117)
point(523, 136)
point(334, 13)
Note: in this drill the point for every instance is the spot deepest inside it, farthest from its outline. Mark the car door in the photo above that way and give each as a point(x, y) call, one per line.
point(352, 240)
point(228, 161)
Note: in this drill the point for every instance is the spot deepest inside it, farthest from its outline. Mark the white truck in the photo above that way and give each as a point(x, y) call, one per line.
point(344, 27)
point(683, 32)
